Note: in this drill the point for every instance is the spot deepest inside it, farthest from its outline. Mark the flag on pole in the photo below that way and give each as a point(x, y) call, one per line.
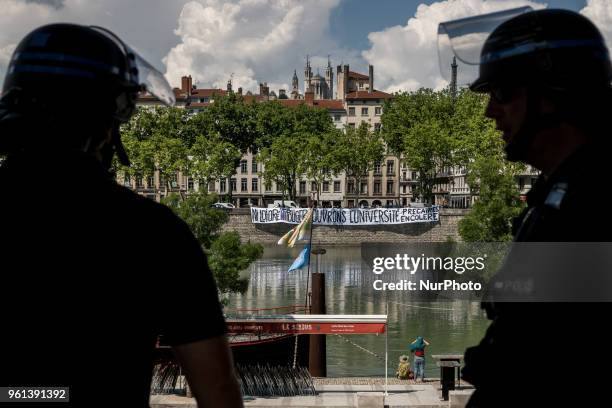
point(301, 260)
point(303, 228)
point(285, 238)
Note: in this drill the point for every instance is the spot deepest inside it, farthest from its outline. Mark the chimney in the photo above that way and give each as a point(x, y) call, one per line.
point(186, 84)
point(371, 78)
point(309, 97)
point(239, 90)
point(345, 81)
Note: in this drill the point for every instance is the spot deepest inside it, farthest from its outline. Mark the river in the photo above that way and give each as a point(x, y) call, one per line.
point(449, 325)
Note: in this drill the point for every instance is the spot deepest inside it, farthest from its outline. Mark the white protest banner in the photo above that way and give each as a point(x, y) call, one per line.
point(347, 216)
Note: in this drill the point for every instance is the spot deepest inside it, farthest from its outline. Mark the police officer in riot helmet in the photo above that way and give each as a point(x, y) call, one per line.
point(93, 273)
point(548, 74)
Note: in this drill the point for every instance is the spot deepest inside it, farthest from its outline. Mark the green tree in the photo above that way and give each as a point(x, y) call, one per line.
point(480, 149)
point(357, 150)
point(213, 158)
point(197, 211)
point(227, 256)
point(282, 162)
point(319, 161)
point(418, 126)
point(230, 118)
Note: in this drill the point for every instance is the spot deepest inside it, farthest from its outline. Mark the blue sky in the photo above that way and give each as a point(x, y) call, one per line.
point(352, 20)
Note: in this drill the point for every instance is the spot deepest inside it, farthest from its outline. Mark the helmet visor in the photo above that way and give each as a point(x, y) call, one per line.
point(151, 79)
point(142, 74)
point(462, 41)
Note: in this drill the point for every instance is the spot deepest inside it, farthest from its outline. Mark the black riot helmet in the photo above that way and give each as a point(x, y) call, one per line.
point(557, 49)
point(65, 81)
point(557, 54)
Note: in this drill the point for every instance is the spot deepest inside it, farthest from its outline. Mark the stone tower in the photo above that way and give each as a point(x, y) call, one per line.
point(329, 79)
point(295, 91)
point(307, 75)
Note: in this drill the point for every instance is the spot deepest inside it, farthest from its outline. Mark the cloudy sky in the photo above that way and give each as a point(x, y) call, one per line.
point(265, 40)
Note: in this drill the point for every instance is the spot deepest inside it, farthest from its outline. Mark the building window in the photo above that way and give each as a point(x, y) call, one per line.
point(352, 125)
point(414, 175)
point(243, 166)
point(313, 186)
point(377, 187)
point(336, 118)
point(151, 182)
point(377, 168)
point(254, 185)
point(139, 182)
point(378, 110)
point(364, 111)
point(377, 127)
point(302, 187)
point(390, 167)
point(364, 188)
point(389, 187)
point(403, 189)
point(233, 183)
point(352, 111)
point(222, 186)
point(350, 187)
point(254, 167)
point(268, 186)
point(326, 186)
point(190, 184)
point(336, 186)
point(243, 184)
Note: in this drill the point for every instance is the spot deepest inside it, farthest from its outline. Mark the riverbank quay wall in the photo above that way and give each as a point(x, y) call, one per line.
point(266, 234)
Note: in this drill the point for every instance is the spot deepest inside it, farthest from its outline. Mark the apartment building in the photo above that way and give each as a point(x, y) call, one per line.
point(390, 183)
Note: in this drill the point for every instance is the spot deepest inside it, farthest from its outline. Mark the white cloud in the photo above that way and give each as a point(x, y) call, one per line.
point(406, 57)
point(600, 12)
point(147, 25)
point(256, 40)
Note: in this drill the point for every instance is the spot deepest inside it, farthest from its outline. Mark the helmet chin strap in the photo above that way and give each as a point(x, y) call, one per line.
point(535, 121)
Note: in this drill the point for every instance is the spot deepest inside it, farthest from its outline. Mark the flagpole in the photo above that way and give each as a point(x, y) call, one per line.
point(309, 259)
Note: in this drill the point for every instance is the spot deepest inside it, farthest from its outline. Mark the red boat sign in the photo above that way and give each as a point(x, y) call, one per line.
point(310, 324)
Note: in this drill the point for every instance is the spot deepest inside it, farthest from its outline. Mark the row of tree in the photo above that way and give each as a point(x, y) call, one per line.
point(436, 130)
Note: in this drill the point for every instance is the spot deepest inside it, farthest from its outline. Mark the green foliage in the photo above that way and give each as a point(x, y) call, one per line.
point(498, 203)
point(282, 162)
point(196, 210)
point(357, 150)
point(435, 131)
point(213, 158)
point(231, 119)
point(418, 125)
point(228, 257)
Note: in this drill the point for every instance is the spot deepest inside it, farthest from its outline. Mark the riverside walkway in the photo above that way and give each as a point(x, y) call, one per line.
point(357, 392)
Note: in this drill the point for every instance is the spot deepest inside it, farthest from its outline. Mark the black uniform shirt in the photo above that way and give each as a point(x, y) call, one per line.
point(91, 274)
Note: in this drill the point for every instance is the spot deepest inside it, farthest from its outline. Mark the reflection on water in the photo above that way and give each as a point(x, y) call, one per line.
point(450, 326)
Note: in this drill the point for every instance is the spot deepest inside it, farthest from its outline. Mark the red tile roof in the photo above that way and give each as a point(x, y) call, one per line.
point(208, 92)
point(366, 95)
point(291, 102)
point(330, 104)
point(357, 75)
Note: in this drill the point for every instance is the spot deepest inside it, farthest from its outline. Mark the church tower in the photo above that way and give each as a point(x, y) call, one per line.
point(307, 75)
point(295, 91)
point(329, 80)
